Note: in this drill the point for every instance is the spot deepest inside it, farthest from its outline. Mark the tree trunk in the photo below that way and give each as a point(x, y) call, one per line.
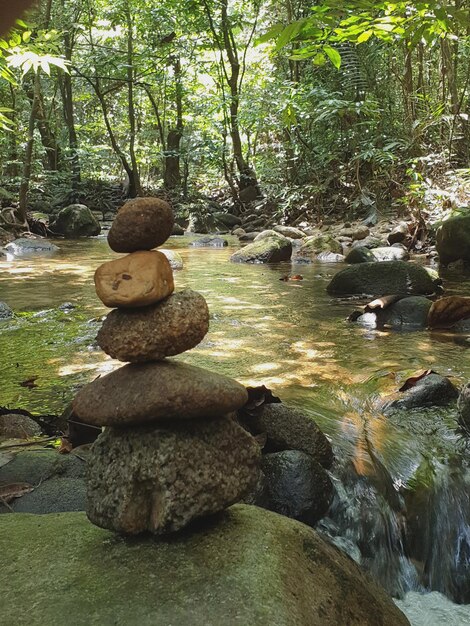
point(135, 188)
point(28, 158)
point(172, 174)
point(69, 117)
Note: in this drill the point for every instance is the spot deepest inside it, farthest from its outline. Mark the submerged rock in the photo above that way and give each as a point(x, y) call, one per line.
point(167, 328)
point(74, 221)
point(209, 242)
point(159, 479)
point(154, 392)
point(430, 390)
point(378, 279)
point(268, 250)
point(246, 566)
point(31, 247)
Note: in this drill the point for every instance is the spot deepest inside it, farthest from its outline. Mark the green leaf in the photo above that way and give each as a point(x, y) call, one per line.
point(333, 55)
point(319, 59)
point(365, 36)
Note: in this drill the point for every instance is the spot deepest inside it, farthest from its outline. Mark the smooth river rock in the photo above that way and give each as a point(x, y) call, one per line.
point(247, 566)
point(141, 224)
point(151, 333)
point(159, 479)
point(268, 250)
point(136, 280)
point(159, 391)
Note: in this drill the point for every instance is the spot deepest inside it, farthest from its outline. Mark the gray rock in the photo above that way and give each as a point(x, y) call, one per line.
point(161, 391)
point(392, 253)
point(398, 234)
point(269, 250)
point(174, 258)
point(289, 231)
point(37, 466)
point(269, 234)
point(247, 566)
point(227, 219)
point(411, 313)
point(154, 332)
point(248, 236)
point(209, 242)
point(17, 426)
point(289, 429)
point(159, 479)
point(31, 247)
point(378, 279)
point(330, 257)
point(74, 221)
point(53, 496)
point(312, 246)
point(296, 486)
point(431, 390)
point(356, 233)
point(5, 312)
point(453, 240)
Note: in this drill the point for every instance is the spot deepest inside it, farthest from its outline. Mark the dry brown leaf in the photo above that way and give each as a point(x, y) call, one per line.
point(14, 490)
point(445, 312)
point(412, 380)
point(65, 446)
point(29, 382)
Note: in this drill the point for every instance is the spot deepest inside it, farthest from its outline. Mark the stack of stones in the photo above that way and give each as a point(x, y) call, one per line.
point(171, 450)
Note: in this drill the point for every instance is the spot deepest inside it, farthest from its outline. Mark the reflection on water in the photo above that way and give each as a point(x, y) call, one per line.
point(292, 337)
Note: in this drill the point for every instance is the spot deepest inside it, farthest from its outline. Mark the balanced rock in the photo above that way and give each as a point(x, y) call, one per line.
point(138, 279)
point(141, 224)
point(152, 392)
point(151, 333)
point(159, 479)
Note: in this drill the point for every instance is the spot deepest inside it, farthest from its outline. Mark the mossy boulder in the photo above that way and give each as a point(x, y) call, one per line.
point(453, 240)
point(411, 313)
point(267, 250)
point(74, 221)
point(359, 254)
point(312, 246)
point(379, 279)
point(244, 566)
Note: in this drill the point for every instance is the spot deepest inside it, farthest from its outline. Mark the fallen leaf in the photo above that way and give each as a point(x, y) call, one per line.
point(445, 312)
point(14, 490)
point(29, 382)
point(65, 446)
point(286, 277)
point(411, 382)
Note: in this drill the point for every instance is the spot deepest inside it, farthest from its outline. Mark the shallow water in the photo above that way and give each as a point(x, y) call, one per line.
point(294, 338)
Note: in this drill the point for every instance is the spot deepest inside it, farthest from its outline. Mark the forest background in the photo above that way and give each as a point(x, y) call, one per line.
point(327, 109)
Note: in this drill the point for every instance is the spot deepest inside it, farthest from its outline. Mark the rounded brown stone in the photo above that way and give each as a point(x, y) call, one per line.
point(141, 224)
point(136, 280)
point(151, 333)
point(159, 391)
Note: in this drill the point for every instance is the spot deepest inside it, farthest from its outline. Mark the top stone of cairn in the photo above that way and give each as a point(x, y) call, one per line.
point(141, 224)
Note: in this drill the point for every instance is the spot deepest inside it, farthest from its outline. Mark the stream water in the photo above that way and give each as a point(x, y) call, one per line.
point(402, 507)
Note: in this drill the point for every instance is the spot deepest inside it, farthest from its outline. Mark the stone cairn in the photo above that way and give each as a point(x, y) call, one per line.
point(171, 451)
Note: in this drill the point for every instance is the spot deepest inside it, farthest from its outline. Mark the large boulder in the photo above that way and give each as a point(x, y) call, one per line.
point(246, 566)
point(378, 279)
point(453, 240)
point(160, 478)
point(160, 391)
point(430, 390)
point(74, 221)
point(295, 485)
point(268, 250)
point(287, 428)
point(227, 219)
point(31, 247)
point(359, 254)
point(407, 313)
point(149, 333)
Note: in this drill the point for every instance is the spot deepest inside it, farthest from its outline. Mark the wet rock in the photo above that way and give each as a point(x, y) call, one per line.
point(431, 390)
point(37, 466)
point(5, 312)
point(31, 247)
point(141, 224)
point(247, 566)
point(377, 279)
point(289, 231)
point(227, 219)
point(160, 479)
point(153, 332)
point(295, 486)
point(330, 257)
point(269, 234)
point(463, 408)
point(209, 242)
point(411, 313)
point(53, 496)
point(150, 392)
point(392, 253)
point(137, 279)
point(399, 234)
point(248, 236)
point(74, 221)
point(17, 426)
point(177, 230)
point(239, 232)
point(269, 250)
point(174, 258)
point(312, 246)
point(356, 233)
point(289, 429)
point(453, 240)
point(67, 306)
point(360, 254)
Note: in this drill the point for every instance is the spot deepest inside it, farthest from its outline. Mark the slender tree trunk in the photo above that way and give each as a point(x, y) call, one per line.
point(172, 174)
point(69, 115)
point(135, 187)
point(28, 158)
